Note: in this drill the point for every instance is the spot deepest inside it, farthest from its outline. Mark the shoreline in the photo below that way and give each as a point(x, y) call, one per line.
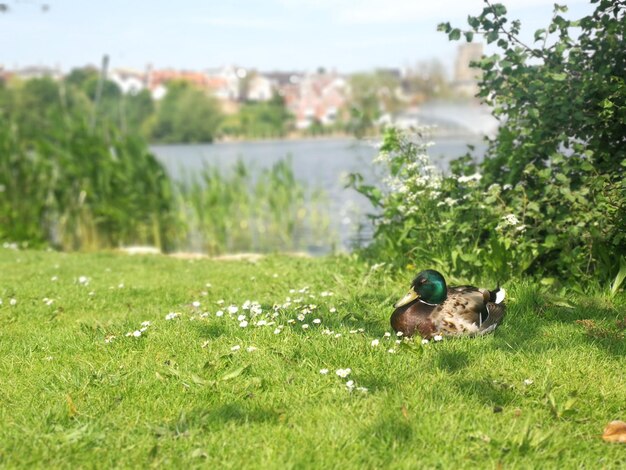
point(323, 138)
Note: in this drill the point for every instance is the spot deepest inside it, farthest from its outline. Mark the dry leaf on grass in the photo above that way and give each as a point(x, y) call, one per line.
point(615, 431)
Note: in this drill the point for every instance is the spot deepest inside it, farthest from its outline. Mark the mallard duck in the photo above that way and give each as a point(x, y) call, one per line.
point(431, 308)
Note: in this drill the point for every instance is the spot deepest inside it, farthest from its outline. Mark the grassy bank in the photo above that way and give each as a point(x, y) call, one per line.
point(202, 389)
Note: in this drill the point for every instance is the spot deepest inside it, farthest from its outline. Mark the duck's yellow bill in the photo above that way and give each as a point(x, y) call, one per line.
point(408, 298)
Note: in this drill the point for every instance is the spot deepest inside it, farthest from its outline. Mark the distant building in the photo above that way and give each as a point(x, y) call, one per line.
point(27, 73)
point(260, 88)
point(466, 77)
point(225, 82)
point(157, 80)
point(129, 81)
point(315, 98)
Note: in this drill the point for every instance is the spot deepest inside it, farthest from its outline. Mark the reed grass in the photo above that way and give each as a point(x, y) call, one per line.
point(82, 189)
point(244, 211)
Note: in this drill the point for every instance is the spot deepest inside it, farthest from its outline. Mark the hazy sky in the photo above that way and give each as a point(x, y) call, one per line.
point(347, 35)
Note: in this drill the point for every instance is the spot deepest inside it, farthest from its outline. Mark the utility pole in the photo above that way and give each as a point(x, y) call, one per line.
point(98, 97)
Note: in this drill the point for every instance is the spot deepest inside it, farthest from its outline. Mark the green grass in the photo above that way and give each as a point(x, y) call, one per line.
point(178, 396)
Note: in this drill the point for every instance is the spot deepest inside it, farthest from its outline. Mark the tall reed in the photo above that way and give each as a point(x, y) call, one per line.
point(240, 211)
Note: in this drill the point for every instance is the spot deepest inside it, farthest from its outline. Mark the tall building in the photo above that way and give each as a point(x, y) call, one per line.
point(466, 77)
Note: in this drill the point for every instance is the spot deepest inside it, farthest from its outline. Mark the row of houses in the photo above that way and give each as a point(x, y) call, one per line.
point(317, 97)
point(310, 97)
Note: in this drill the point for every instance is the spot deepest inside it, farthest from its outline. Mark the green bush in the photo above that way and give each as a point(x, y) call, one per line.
point(549, 200)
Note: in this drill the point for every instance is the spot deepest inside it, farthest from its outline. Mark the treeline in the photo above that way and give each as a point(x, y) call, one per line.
point(186, 113)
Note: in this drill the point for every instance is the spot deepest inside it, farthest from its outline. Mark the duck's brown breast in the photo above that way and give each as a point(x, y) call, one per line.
point(412, 318)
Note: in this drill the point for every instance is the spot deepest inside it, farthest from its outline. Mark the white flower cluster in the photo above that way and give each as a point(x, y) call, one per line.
point(135, 334)
point(469, 178)
point(511, 220)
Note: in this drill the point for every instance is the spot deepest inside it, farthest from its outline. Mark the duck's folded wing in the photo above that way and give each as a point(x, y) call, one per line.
point(463, 311)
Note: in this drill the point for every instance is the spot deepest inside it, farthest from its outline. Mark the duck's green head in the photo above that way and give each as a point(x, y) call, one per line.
point(429, 286)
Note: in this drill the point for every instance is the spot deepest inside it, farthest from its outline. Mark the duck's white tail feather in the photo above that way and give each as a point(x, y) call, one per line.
point(500, 294)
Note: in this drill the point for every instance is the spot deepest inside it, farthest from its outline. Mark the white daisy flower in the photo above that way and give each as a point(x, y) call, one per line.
point(343, 373)
point(317, 321)
point(235, 348)
point(195, 304)
point(232, 309)
point(375, 342)
point(438, 338)
point(219, 313)
point(323, 371)
point(243, 324)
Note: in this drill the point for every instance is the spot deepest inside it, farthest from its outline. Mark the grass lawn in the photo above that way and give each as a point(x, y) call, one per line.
point(201, 389)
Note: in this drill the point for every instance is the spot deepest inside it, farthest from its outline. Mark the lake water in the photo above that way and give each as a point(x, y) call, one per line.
point(320, 163)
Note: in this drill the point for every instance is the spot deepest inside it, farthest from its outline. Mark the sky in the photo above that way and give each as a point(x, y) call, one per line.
point(342, 35)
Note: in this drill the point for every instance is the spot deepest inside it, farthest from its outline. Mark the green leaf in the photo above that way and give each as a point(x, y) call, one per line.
point(445, 27)
point(619, 279)
point(558, 77)
point(492, 36)
point(473, 21)
point(540, 34)
point(469, 36)
point(455, 34)
point(235, 373)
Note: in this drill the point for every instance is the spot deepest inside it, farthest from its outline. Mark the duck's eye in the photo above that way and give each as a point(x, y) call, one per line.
point(423, 281)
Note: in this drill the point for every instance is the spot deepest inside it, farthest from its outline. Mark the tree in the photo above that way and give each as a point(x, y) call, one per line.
point(562, 139)
point(186, 114)
point(372, 95)
point(260, 119)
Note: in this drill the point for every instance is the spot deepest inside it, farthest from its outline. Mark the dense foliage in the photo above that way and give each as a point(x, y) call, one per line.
point(76, 188)
point(259, 120)
point(186, 114)
point(550, 198)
